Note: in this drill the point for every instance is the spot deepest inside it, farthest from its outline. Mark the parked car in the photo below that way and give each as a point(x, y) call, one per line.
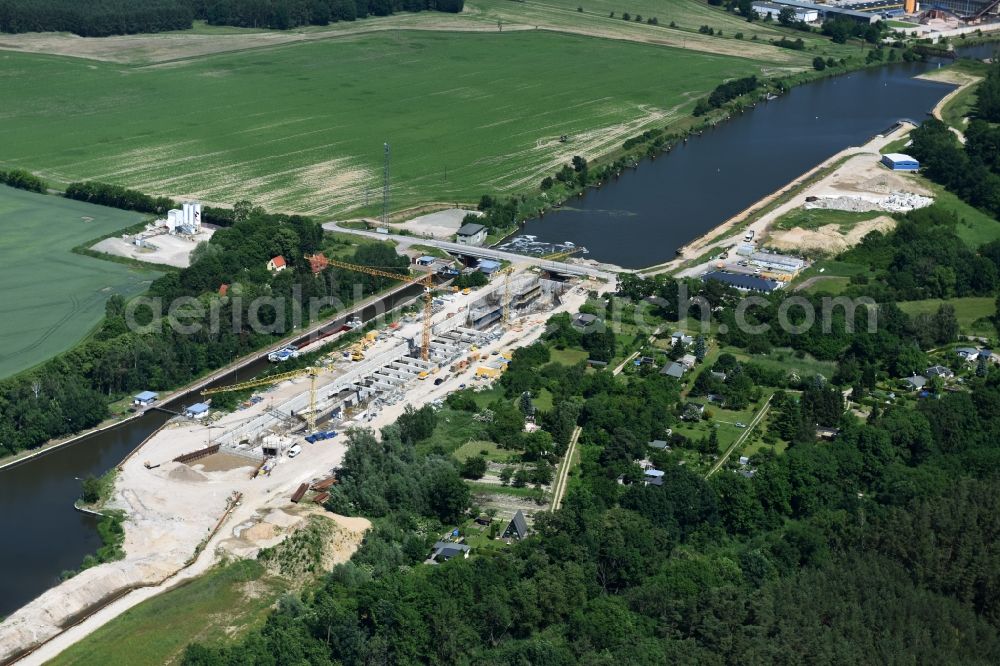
point(294, 451)
point(439, 381)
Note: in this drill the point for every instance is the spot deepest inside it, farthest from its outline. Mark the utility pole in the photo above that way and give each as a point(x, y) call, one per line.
point(385, 189)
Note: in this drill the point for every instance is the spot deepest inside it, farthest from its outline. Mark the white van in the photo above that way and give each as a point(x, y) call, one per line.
point(294, 451)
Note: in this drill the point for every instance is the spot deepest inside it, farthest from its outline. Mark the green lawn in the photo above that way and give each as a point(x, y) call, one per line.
point(569, 356)
point(301, 127)
point(215, 608)
point(454, 428)
point(787, 360)
point(975, 227)
point(829, 285)
point(53, 297)
point(958, 107)
point(969, 311)
point(820, 217)
point(476, 448)
point(723, 420)
point(525, 491)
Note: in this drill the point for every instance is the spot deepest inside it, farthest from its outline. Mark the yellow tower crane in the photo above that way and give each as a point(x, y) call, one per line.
point(426, 279)
point(562, 254)
point(277, 379)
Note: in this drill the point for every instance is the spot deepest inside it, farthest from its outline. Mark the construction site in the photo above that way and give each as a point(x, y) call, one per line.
point(209, 479)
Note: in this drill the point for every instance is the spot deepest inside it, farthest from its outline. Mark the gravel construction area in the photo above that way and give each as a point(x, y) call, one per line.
point(161, 249)
point(830, 239)
point(441, 225)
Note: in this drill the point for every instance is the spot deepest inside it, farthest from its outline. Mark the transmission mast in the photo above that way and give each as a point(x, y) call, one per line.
point(385, 188)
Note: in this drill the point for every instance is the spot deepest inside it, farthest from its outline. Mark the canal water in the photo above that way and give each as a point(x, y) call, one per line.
point(642, 218)
point(43, 535)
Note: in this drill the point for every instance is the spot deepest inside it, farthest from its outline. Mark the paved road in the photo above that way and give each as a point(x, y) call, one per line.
point(580, 270)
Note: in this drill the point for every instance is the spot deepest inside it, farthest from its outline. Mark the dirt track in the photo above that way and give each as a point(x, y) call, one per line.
point(162, 49)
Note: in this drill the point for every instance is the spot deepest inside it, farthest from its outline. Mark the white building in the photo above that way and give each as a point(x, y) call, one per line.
point(471, 234)
point(765, 9)
point(777, 262)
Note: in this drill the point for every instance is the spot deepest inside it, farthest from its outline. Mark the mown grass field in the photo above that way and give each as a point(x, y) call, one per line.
point(972, 312)
point(814, 218)
point(974, 227)
point(216, 607)
point(301, 127)
point(53, 297)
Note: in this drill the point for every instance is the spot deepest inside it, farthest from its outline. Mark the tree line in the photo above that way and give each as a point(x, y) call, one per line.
point(22, 180)
point(100, 18)
point(972, 170)
point(94, 18)
point(725, 92)
point(284, 14)
point(117, 196)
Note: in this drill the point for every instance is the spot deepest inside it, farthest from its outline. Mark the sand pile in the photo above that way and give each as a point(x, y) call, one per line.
point(182, 472)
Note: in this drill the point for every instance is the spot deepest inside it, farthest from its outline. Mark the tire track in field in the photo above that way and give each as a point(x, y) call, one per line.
point(74, 309)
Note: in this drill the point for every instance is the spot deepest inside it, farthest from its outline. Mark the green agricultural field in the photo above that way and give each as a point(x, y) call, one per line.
point(972, 312)
point(301, 127)
point(214, 608)
point(53, 297)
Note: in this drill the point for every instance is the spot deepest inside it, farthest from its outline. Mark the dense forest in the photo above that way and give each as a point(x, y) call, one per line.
point(71, 392)
point(880, 546)
point(100, 18)
point(970, 170)
point(94, 18)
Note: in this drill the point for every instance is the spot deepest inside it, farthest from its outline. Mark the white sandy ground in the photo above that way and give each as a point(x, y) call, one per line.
point(172, 508)
point(161, 249)
point(441, 225)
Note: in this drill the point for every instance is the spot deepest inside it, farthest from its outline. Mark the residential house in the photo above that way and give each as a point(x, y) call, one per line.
point(658, 444)
point(517, 528)
point(683, 337)
point(652, 477)
point(223, 289)
point(276, 264)
point(582, 320)
point(675, 370)
point(721, 376)
point(916, 382)
point(939, 371)
point(968, 353)
point(822, 432)
point(688, 361)
point(445, 550)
